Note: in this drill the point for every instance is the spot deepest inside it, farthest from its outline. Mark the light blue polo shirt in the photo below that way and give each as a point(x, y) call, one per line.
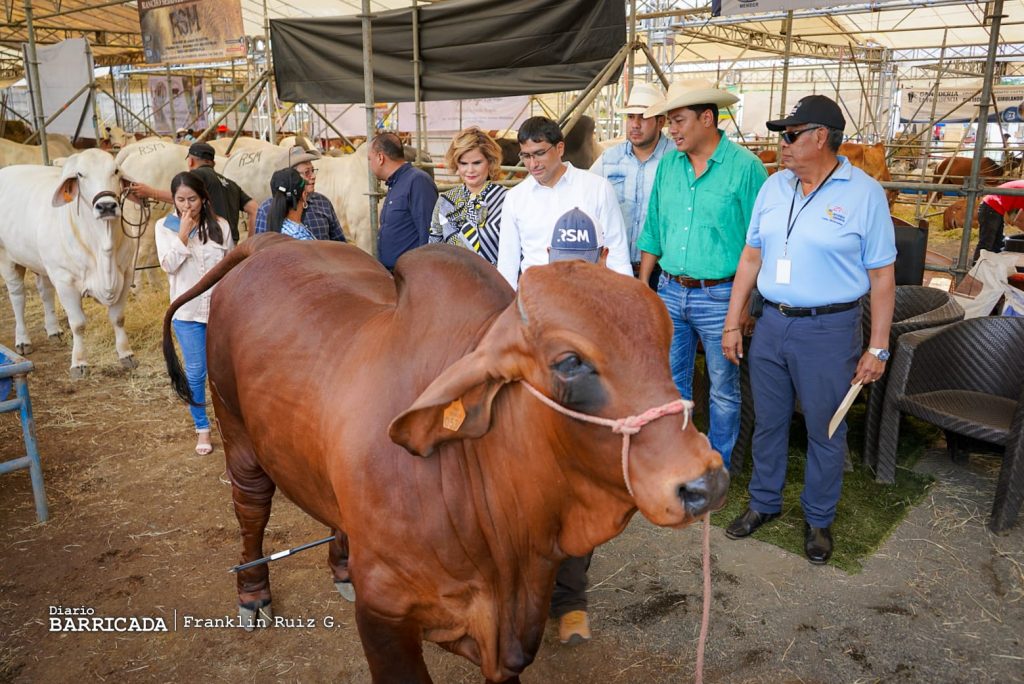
point(844, 230)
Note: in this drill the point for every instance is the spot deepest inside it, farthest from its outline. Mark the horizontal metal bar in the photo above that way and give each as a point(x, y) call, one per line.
point(9, 370)
point(15, 464)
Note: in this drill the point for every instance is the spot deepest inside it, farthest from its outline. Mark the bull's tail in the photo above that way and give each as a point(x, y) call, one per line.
point(236, 256)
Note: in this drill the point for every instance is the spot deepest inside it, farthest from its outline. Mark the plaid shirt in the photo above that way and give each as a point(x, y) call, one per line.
point(318, 217)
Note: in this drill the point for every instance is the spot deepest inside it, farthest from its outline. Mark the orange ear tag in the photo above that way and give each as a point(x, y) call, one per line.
point(67, 195)
point(454, 415)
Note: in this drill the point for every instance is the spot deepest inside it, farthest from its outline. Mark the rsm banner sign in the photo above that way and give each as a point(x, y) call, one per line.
point(176, 31)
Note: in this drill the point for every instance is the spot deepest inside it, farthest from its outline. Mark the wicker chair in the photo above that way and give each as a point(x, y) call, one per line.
point(968, 379)
point(916, 308)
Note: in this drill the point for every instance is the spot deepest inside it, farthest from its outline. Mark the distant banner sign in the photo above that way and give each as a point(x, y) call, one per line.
point(176, 31)
point(178, 102)
point(949, 102)
point(729, 7)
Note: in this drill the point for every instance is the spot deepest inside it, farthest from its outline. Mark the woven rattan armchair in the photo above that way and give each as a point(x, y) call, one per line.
point(968, 379)
point(916, 308)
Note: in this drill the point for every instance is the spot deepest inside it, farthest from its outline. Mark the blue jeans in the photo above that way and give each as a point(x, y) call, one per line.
point(700, 313)
point(812, 359)
point(192, 340)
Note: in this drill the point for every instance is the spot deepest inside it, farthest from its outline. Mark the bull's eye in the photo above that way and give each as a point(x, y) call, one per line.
point(577, 384)
point(570, 366)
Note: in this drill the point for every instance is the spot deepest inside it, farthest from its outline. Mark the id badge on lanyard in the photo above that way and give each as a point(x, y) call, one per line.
point(783, 265)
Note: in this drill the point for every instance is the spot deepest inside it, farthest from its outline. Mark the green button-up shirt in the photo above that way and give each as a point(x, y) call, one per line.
point(697, 226)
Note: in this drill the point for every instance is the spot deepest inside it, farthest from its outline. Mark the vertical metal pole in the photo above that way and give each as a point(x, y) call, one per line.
point(33, 84)
point(368, 103)
point(416, 72)
point(113, 90)
point(785, 63)
point(929, 137)
point(170, 99)
point(627, 80)
point(963, 261)
point(271, 106)
point(28, 433)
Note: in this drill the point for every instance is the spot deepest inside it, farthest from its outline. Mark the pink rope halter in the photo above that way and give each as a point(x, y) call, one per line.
point(630, 425)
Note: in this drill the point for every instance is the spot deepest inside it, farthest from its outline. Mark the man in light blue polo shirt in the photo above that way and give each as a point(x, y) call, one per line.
point(630, 166)
point(700, 207)
point(820, 238)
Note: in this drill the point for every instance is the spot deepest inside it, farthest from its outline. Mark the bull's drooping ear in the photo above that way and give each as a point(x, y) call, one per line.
point(67, 191)
point(457, 404)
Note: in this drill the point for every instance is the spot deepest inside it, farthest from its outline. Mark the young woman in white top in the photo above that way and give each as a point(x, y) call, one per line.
point(190, 241)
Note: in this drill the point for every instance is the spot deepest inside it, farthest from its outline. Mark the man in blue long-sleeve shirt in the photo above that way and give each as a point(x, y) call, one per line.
point(409, 203)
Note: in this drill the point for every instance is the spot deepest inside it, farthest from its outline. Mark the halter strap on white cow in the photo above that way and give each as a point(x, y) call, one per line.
point(630, 425)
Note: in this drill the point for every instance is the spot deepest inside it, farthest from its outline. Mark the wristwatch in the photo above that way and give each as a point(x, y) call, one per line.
point(879, 353)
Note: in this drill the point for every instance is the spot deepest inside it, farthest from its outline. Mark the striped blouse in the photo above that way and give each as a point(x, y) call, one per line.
point(471, 221)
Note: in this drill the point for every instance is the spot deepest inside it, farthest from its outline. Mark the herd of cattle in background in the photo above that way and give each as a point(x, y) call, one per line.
point(82, 247)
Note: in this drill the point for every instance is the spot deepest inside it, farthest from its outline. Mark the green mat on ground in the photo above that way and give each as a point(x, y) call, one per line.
point(868, 512)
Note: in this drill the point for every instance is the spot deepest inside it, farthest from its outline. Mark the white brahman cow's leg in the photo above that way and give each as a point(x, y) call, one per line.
point(14, 276)
point(71, 300)
point(115, 312)
point(45, 288)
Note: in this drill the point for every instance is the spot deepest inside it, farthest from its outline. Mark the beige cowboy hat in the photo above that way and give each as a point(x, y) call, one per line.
point(687, 93)
point(642, 96)
point(298, 154)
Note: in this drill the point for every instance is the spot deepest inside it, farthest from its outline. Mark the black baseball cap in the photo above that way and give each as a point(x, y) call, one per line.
point(201, 150)
point(816, 109)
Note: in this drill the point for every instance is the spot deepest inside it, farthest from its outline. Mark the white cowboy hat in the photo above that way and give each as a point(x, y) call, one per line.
point(642, 96)
point(687, 93)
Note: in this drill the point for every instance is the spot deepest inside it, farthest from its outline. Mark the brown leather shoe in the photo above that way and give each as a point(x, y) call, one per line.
point(745, 525)
point(574, 627)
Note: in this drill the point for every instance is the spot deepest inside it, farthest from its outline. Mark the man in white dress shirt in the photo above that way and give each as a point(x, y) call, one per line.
point(554, 187)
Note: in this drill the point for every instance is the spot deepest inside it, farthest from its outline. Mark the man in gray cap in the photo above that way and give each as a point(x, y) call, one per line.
point(575, 238)
point(820, 239)
point(318, 215)
point(228, 199)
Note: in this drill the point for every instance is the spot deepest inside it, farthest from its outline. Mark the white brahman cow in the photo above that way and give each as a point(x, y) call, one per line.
point(343, 180)
point(64, 225)
point(144, 146)
point(12, 153)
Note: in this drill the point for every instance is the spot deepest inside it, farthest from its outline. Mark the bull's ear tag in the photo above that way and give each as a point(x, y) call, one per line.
point(67, 195)
point(454, 415)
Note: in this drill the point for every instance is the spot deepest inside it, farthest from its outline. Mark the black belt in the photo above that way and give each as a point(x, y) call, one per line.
point(799, 311)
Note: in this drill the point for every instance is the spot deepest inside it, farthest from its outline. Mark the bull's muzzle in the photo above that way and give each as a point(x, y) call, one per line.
point(706, 493)
point(105, 204)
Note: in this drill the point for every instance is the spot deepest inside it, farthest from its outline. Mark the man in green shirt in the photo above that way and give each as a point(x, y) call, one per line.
point(696, 225)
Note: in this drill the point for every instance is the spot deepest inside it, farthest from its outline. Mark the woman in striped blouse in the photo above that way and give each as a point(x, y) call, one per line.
point(469, 215)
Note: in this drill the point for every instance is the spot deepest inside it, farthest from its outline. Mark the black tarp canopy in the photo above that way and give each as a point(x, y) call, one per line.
point(468, 49)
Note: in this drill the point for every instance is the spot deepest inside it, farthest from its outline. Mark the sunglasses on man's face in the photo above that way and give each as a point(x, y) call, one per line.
point(789, 137)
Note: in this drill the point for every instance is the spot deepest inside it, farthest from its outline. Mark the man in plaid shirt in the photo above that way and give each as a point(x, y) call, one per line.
point(318, 215)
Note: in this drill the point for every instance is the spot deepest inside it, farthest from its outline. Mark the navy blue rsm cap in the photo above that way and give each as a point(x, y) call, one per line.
point(574, 237)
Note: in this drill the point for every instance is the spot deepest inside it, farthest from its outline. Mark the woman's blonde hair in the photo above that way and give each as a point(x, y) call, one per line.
point(470, 139)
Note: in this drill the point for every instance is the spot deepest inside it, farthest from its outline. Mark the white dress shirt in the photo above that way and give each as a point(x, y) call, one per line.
point(531, 210)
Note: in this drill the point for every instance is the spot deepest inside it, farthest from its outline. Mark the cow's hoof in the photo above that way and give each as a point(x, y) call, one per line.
point(129, 362)
point(79, 372)
point(347, 591)
point(255, 614)
point(24, 349)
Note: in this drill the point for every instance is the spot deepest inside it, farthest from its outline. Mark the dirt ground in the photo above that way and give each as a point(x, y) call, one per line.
point(142, 527)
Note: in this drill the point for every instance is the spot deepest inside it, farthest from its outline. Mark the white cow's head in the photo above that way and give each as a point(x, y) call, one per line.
point(90, 186)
